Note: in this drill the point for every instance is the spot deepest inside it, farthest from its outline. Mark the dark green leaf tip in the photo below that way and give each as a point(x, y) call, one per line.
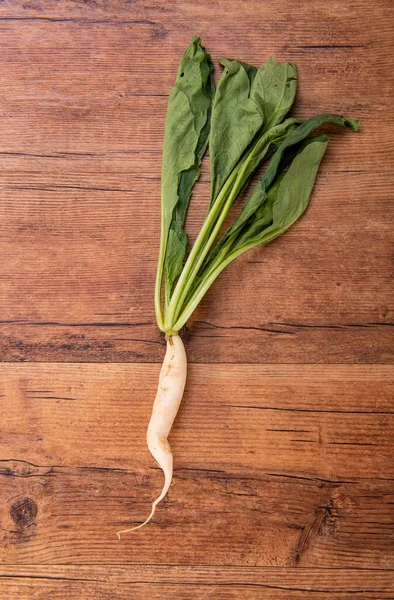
point(352, 124)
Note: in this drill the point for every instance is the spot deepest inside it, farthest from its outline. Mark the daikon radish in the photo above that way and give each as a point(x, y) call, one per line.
point(169, 394)
point(243, 122)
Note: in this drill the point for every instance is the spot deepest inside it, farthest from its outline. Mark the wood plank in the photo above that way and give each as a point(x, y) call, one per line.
point(79, 186)
point(293, 462)
point(325, 26)
point(276, 464)
point(189, 583)
point(77, 125)
point(77, 282)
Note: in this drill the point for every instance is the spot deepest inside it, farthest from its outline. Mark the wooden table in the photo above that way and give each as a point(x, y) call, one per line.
point(284, 444)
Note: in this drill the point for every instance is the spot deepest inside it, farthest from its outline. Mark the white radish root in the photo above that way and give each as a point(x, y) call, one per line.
point(169, 394)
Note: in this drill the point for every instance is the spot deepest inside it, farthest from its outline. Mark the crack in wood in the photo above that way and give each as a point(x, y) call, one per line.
point(294, 325)
point(312, 410)
point(331, 46)
point(79, 21)
point(246, 327)
point(310, 531)
point(59, 324)
point(168, 581)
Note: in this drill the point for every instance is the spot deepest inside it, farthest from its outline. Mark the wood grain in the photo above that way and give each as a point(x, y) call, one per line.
point(80, 185)
point(284, 443)
point(295, 458)
point(193, 583)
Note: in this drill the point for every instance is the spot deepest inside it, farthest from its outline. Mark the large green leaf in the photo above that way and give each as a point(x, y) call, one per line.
point(287, 198)
point(247, 101)
point(293, 134)
point(185, 141)
point(299, 134)
point(236, 118)
point(275, 87)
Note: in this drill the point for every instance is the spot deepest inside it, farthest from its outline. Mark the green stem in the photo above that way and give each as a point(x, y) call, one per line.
point(215, 270)
point(203, 288)
point(159, 278)
point(199, 246)
point(234, 192)
point(214, 220)
point(219, 257)
point(205, 249)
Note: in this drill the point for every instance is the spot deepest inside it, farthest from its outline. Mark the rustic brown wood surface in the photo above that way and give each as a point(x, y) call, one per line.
point(284, 476)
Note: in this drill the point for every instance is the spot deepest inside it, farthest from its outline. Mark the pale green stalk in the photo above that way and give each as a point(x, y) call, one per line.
point(159, 276)
point(203, 288)
point(204, 249)
point(199, 246)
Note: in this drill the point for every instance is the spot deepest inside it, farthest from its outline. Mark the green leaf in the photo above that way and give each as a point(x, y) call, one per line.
point(264, 146)
point(185, 141)
point(299, 134)
point(175, 255)
point(295, 136)
point(289, 133)
point(287, 198)
point(245, 124)
point(247, 101)
point(275, 87)
point(239, 141)
point(236, 118)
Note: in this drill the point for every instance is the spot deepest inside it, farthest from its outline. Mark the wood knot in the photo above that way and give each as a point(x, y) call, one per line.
point(23, 512)
point(322, 523)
